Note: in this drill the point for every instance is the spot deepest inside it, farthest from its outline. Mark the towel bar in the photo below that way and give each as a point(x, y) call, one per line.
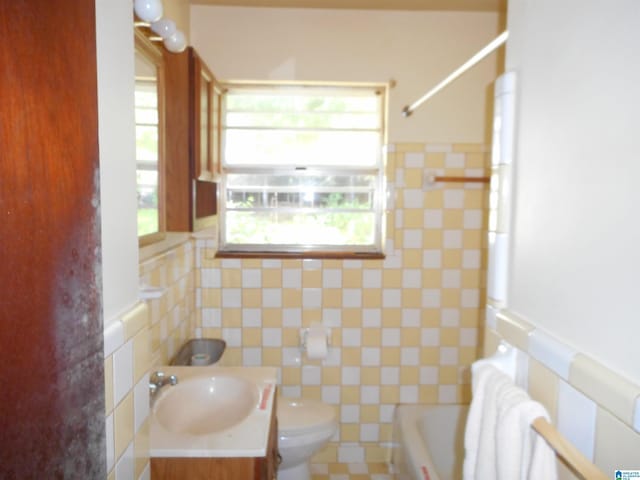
point(569, 454)
point(505, 360)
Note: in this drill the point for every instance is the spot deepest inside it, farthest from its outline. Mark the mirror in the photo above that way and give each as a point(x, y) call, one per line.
point(149, 121)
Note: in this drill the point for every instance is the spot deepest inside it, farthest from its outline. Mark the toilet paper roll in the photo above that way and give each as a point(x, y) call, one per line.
point(200, 359)
point(317, 343)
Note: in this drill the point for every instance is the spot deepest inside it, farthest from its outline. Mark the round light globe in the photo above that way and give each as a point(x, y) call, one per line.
point(176, 43)
point(148, 10)
point(164, 27)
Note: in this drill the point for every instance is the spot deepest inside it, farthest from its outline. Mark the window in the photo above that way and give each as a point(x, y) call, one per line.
point(149, 134)
point(303, 169)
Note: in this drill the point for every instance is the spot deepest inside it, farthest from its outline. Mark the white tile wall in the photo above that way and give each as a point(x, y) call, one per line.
point(352, 298)
point(123, 371)
point(410, 317)
point(453, 198)
point(271, 263)
point(113, 337)
point(371, 317)
point(141, 401)
point(431, 298)
point(332, 278)
point(577, 418)
point(553, 354)
point(409, 394)
point(414, 160)
point(272, 297)
point(146, 473)
point(351, 454)
point(292, 317)
point(251, 317)
point(110, 442)
point(498, 266)
point(372, 278)
point(411, 278)
point(412, 238)
point(251, 278)
point(125, 468)
point(430, 337)
point(370, 356)
point(447, 394)
point(331, 317)
point(211, 278)
point(452, 238)
point(413, 198)
point(454, 160)
point(471, 259)
point(391, 298)
point(450, 317)
point(291, 278)
point(370, 395)
point(432, 259)
point(231, 298)
point(429, 375)
point(438, 147)
point(432, 218)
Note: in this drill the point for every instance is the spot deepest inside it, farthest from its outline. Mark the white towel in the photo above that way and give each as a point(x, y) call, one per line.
point(521, 453)
point(479, 438)
point(479, 380)
point(499, 441)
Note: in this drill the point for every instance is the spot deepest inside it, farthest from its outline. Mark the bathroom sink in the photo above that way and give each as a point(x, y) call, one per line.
point(204, 405)
point(215, 411)
point(199, 351)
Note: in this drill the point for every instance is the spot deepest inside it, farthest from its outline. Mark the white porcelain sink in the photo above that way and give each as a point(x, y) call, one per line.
point(207, 404)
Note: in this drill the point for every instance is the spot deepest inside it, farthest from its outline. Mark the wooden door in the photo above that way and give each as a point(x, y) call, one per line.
point(51, 333)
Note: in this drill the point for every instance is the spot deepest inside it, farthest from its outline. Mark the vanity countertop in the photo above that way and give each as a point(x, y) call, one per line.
point(248, 438)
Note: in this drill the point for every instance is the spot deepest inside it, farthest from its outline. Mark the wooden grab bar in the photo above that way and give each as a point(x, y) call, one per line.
point(462, 179)
point(569, 454)
point(431, 178)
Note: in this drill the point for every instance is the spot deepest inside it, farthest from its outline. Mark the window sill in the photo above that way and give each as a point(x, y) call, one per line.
point(170, 241)
point(319, 255)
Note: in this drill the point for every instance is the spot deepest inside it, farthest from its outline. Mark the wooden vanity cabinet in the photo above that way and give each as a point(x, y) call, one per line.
point(225, 468)
point(268, 468)
point(192, 141)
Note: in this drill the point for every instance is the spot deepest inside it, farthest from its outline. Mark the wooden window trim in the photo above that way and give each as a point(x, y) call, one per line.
point(153, 54)
point(319, 255)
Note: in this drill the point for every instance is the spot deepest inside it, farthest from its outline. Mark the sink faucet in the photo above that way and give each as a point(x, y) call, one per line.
point(158, 380)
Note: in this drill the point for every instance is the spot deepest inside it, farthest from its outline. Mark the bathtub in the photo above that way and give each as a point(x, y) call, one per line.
point(428, 442)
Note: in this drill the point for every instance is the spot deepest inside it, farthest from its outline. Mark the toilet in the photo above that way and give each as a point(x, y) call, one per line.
point(304, 428)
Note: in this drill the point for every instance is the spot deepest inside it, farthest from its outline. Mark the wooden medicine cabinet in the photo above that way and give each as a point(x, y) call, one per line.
point(193, 133)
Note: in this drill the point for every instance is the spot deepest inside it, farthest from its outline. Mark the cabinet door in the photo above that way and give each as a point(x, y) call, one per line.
point(179, 169)
point(207, 124)
point(216, 130)
point(273, 458)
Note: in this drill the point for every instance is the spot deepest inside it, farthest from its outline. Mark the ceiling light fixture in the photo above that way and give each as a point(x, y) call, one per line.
point(150, 12)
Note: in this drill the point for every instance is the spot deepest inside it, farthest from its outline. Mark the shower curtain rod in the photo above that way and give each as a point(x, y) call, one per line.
point(495, 43)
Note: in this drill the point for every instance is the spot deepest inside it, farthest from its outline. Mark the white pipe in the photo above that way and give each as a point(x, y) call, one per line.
point(408, 110)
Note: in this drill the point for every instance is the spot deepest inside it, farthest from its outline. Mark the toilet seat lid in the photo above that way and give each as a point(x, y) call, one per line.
point(300, 415)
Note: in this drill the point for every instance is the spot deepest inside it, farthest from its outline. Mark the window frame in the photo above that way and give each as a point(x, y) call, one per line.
point(151, 53)
point(343, 251)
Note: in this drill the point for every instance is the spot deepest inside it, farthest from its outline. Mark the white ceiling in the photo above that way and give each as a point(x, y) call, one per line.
point(455, 5)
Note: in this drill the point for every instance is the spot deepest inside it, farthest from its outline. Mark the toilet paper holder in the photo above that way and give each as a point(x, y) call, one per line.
point(304, 333)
